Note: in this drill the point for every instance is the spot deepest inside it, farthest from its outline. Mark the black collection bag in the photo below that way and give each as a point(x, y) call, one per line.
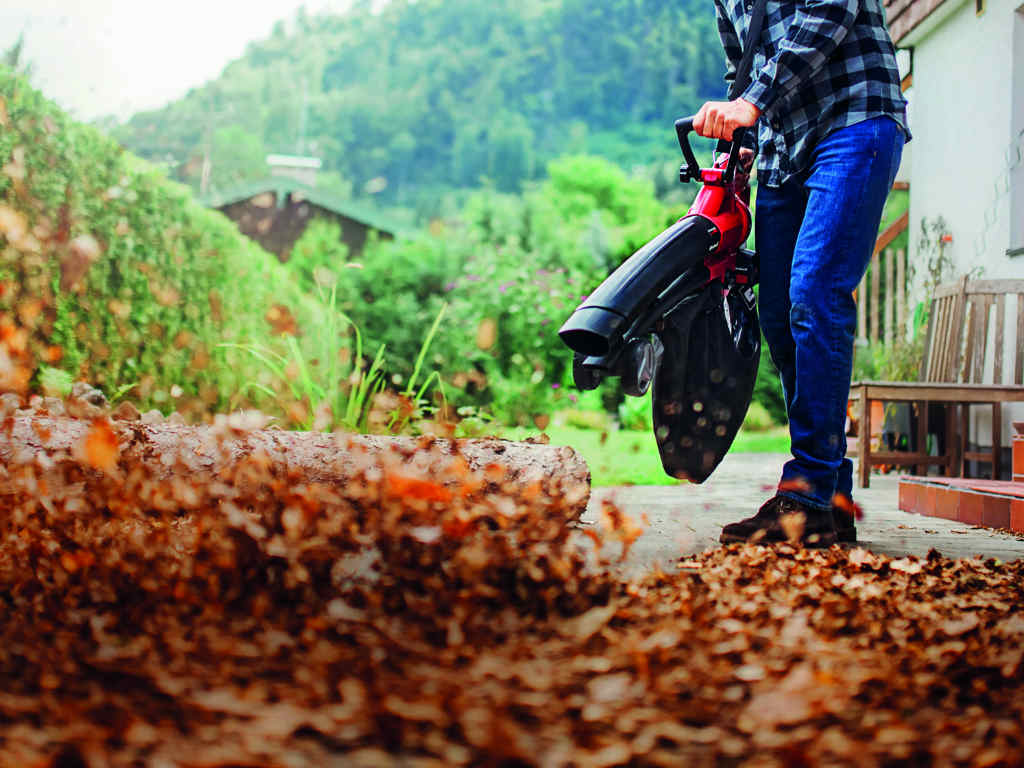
point(705, 381)
point(712, 348)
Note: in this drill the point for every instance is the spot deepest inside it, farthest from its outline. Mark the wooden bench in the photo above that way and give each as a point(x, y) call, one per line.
point(961, 368)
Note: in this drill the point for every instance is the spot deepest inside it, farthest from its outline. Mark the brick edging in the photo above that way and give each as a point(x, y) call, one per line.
point(970, 506)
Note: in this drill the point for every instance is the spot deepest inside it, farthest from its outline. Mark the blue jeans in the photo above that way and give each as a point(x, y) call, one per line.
point(815, 235)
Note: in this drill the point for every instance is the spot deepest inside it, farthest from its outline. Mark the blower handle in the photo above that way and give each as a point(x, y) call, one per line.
point(691, 168)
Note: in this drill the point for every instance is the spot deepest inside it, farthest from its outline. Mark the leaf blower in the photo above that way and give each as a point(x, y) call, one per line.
point(680, 315)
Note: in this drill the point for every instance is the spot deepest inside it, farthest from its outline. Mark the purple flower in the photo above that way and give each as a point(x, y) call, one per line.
point(556, 386)
point(450, 286)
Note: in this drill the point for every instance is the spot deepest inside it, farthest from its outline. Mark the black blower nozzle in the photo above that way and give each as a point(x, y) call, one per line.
point(629, 298)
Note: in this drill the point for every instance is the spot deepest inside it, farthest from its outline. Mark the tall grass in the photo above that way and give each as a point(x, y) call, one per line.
point(336, 388)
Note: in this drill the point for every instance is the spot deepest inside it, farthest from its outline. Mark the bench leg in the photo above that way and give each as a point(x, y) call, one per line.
point(950, 440)
point(922, 436)
point(864, 440)
point(997, 440)
point(956, 437)
point(965, 433)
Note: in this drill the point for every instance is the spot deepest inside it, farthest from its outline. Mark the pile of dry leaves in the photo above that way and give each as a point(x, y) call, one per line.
point(147, 621)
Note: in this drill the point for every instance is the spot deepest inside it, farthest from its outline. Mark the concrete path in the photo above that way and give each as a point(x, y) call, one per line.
point(686, 519)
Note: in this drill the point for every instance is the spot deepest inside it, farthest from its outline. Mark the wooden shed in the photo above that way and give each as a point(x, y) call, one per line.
point(275, 212)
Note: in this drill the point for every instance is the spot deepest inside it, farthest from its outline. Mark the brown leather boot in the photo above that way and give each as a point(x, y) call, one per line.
point(845, 525)
point(844, 517)
point(779, 520)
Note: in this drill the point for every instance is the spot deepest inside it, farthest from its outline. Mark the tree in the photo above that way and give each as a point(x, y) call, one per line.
point(14, 58)
point(235, 156)
point(436, 95)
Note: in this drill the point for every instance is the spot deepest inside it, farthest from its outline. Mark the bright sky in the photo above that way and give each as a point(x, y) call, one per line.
point(100, 57)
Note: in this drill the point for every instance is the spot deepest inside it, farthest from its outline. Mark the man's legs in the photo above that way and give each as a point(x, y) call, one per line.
point(847, 186)
point(815, 237)
point(780, 214)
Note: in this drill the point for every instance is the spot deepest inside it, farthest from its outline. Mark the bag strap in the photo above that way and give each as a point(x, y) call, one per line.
point(744, 70)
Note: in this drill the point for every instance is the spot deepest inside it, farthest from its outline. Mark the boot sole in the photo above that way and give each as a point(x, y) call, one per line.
point(824, 541)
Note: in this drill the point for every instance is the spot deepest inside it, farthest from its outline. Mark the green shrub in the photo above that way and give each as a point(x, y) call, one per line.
point(758, 419)
point(636, 413)
point(899, 361)
point(768, 387)
point(512, 269)
point(120, 276)
point(319, 255)
point(579, 418)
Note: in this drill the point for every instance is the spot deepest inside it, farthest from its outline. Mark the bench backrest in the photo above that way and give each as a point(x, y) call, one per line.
point(976, 333)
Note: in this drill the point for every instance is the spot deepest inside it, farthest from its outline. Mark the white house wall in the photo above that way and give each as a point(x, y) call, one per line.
point(967, 111)
point(1016, 151)
point(961, 120)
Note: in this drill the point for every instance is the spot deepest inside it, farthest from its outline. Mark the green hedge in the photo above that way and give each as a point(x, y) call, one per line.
point(132, 279)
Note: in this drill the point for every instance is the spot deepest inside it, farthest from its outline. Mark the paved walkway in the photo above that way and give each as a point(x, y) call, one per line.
point(687, 519)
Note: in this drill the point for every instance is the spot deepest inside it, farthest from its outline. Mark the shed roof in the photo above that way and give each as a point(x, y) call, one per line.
point(282, 187)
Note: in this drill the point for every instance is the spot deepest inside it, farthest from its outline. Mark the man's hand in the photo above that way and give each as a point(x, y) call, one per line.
point(718, 119)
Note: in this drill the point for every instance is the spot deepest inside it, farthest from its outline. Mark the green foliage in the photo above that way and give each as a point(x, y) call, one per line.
point(488, 91)
point(119, 272)
point(54, 382)
point(625, 457)
point(240, 156)
point(899, 361)
point(636, 413)
point(318, 255)
point(758, 419)
point(768, 387)
point(334, 390)
point(13, 58)
point(511, 269)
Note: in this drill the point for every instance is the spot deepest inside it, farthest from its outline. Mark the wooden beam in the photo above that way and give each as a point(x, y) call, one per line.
point(890, 297)
point(876, 281)
point(922, 437)
point(864, 437)
point(862, 311)
point(997, 360)
point(997, 440)
point(901, 293)
point(909, 391)
point(908, 16)
point(904, 458)
point(892, 231)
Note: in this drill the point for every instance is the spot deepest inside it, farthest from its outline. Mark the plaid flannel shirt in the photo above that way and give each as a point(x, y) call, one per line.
point(820, 65)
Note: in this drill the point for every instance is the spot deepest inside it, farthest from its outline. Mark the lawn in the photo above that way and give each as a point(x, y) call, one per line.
point(625, 457)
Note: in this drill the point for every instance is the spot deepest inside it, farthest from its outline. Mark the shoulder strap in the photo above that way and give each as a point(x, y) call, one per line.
point(744, 68)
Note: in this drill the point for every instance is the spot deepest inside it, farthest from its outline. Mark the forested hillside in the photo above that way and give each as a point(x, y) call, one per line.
point(437, 95)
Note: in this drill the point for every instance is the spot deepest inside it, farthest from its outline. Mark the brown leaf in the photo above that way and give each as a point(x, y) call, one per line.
point(100, 449)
